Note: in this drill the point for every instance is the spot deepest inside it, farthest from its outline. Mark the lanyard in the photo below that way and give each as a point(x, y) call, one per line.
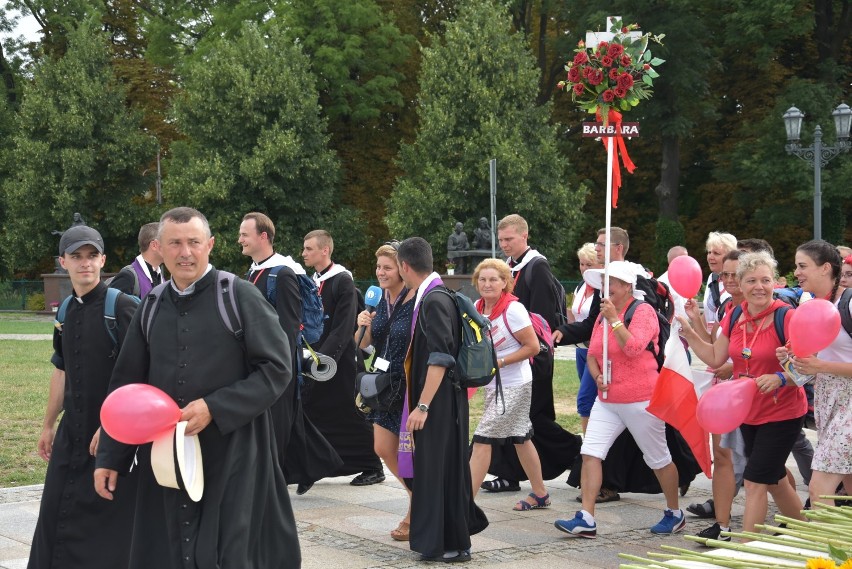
point(746, 352)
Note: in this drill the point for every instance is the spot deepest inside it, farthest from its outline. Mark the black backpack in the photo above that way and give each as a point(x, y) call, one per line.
point(558, 291)
point(657, 294)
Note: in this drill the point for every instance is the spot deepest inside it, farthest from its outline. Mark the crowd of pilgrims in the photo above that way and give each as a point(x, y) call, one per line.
point(306, 430)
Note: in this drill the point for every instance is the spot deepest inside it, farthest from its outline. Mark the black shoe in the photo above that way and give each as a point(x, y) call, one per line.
point(459, 557)
point(605, 495)
point(500, 485)
point(705, 510)
point(713, 533)
point(302, 489)
point(368, 478)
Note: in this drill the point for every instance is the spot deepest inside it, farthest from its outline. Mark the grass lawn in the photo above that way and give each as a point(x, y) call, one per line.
point(25, 370)
point(25, 323)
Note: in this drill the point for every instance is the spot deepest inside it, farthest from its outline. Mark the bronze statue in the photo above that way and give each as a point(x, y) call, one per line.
point(482, 235)
point(457, 241)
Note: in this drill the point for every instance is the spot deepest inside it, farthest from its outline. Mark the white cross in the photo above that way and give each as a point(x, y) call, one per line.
point(594, 38)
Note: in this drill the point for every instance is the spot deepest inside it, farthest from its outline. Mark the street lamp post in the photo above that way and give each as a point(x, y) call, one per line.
point(818, 154)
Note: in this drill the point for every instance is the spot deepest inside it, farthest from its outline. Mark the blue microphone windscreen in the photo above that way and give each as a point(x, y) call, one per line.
point(373, 296)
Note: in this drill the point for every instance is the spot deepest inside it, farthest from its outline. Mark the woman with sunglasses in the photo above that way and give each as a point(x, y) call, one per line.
point(388, 331)
point(728, 460)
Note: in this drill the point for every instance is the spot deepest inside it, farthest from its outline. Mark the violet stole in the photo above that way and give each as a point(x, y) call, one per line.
point(405, 452)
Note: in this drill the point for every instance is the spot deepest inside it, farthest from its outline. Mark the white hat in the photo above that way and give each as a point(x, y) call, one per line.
point(622, 270)
point(176, 461)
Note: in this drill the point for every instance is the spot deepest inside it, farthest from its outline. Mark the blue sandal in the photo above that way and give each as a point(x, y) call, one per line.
point(540, 502)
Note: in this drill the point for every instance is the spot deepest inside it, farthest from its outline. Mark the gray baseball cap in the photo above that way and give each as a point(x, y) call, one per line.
point(75, 237)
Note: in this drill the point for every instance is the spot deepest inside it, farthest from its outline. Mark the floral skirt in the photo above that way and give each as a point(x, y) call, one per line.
point(514, 425)
point(833, 413)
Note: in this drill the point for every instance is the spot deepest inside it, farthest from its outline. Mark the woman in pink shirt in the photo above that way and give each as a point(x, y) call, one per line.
point(632, 379)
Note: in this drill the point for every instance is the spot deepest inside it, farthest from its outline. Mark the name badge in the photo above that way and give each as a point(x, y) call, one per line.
point(381, 364)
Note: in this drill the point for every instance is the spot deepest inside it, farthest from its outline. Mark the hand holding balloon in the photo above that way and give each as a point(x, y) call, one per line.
point(725, 406)
point(813, 327)
point(138, 413)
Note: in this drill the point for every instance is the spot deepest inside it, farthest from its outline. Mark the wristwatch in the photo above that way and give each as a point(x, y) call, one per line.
point(423, 407)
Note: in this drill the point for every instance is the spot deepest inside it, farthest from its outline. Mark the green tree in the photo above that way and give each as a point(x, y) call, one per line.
point(357, 54)
point(77, 149)
point(255, 140)
point(478, 101)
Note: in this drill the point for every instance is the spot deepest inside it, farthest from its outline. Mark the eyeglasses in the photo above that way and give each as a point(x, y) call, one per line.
point(846, 275)
point(728, 275)
point(602, 245)
point(394, 244)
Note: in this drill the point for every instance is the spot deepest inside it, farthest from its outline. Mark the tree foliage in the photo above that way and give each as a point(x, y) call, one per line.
point(255, 141)
point(77, 149)
point(476, 102)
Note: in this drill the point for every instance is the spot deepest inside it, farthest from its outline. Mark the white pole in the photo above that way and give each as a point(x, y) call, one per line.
point(492, 171)
point(605, 294)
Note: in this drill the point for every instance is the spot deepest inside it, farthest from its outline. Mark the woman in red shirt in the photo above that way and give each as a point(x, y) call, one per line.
point(777, 411)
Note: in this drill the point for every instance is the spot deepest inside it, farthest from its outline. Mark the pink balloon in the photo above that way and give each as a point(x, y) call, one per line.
point(685, 276)
point(725, 406)
point(813, 327)
point(138, 413)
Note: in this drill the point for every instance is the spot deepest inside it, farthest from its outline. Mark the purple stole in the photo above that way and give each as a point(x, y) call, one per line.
point(405, 453)
point(145, 285)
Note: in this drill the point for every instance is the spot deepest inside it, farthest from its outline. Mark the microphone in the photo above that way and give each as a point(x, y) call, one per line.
point(372, 298)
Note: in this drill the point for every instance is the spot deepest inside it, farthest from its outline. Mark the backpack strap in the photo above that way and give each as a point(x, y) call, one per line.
point(778, 321)
point(60, 313)
point(628, 317)
point(715, 292)
point(226, 303)
point(149, 309)
point(720, 310)
point(110, 321)
point(272, 285)
point(843, 307)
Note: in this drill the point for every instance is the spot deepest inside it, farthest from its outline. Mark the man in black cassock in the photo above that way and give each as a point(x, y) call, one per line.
point(75, 527)
point(330, 405)
point(225, 387)
point(557, 448)
point(443, 514)
point(304, 453)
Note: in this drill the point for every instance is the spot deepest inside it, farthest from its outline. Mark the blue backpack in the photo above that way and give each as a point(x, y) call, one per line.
point(313, 314)
point(110, 321)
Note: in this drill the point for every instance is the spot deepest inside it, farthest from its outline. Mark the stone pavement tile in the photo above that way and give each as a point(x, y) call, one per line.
point(324, 556)
point(14, 563)
point(18, 521)
point(522, 533)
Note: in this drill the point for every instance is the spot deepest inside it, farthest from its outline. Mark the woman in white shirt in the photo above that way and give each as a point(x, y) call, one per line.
point(584, 298)
point(515, 343)
point(818, 269)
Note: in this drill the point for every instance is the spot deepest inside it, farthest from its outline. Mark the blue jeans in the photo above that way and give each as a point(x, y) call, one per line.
point(588, 388)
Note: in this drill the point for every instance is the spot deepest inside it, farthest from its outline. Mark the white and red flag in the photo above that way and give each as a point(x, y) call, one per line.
point(675, 399)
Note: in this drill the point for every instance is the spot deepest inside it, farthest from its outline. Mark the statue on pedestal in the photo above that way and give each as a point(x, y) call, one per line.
point(482, 235)
point(457, 241)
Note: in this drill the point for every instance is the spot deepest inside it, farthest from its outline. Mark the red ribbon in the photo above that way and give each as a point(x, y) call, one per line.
point(614, 117)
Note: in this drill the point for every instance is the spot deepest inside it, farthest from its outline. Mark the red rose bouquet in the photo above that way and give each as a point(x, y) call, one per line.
point(614, 74)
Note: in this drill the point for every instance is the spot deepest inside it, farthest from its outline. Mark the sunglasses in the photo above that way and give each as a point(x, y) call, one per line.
point(394, 244)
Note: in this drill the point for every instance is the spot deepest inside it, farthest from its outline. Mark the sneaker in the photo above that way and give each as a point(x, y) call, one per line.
point(713, 533)
point(669, 524)
point(577, 527)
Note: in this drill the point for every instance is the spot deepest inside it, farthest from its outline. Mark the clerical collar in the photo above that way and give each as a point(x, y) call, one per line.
point(191, 288)
point(89, 296)
point(521, 256)
point(325, 270)
point(266, 259)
